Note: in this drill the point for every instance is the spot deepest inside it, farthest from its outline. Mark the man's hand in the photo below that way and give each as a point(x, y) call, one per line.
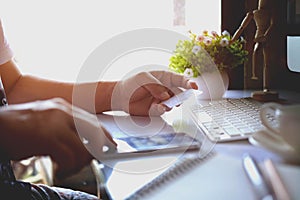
point(49, 127)
point(141, 94)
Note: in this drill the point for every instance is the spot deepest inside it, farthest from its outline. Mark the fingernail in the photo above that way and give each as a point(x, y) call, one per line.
point(164, 95)
point(193, 85)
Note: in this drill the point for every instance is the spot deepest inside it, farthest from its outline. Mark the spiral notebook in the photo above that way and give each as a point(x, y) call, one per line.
point(183, 165)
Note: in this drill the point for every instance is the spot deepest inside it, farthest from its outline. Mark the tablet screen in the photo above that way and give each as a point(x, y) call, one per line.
point(161, 141)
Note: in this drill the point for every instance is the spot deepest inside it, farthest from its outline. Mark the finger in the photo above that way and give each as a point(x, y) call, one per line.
point(63, 157)
point(180, 81)
point(81, 122)
point(76, 146)
point(157, 109)
point(87, 122)
point(158, 91)
point(153, 85)
point(161, 110)
point(170, 79)
point(109, 137)
point(176, 90)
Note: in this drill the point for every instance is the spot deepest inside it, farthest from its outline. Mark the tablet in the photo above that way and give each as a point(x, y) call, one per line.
point(160, 144)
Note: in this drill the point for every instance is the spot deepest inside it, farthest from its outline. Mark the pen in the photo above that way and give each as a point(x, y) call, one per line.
point(258, 182)
point(276, 182)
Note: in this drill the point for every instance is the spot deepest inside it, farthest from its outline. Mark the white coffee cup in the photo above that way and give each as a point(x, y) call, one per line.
point(287, 119)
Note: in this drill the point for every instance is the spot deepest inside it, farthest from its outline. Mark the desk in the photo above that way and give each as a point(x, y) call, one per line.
point(220, 176)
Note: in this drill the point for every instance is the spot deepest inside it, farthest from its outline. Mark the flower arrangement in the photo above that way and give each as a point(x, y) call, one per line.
point(206, 53)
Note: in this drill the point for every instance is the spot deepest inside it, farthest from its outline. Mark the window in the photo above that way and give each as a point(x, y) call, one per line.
point(52, 39)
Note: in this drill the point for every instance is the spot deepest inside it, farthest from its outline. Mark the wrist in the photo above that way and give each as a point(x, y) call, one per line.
point(116, 100)
point(104, 93)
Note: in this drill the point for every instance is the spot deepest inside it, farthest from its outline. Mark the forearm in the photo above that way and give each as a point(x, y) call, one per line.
point(93, 97)
point(30, 88)
point(19, 88)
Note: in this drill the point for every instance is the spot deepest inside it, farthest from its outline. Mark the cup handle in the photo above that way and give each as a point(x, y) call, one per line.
point(266, 109)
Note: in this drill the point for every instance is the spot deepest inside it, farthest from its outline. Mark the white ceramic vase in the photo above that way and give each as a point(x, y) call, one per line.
point(212, 84)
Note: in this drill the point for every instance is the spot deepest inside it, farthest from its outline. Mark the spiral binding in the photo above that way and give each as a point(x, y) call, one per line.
point(184, 164)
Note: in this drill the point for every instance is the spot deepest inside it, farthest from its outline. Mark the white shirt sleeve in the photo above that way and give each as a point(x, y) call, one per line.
point(5, 51)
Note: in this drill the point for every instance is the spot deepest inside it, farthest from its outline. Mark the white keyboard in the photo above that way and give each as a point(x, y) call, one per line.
point(228, 119)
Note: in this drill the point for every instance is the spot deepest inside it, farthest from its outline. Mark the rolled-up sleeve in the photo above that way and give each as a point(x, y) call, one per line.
point(5, 51)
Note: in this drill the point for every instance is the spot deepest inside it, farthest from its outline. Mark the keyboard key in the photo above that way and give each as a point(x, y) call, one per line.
point(203, 117)
point(246, 130)
point(232, 131)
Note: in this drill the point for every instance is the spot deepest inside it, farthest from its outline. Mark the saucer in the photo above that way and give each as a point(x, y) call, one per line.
point(275, 144)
